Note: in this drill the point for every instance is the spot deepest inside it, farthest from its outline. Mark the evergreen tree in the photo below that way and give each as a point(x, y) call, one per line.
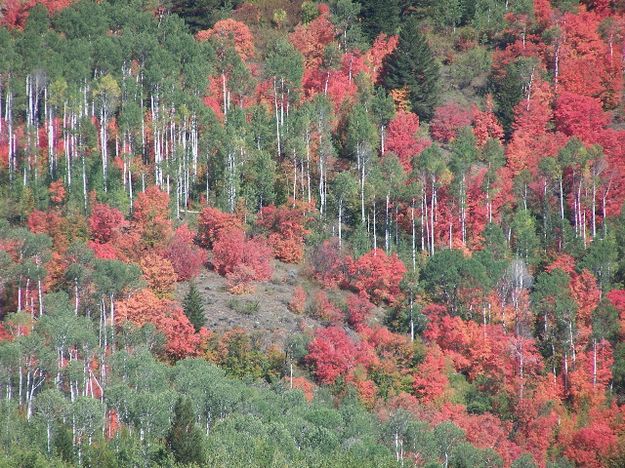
point(202, 14)
point(412, 66)
point(193, 307)
point(184, 439)
point(380, 16)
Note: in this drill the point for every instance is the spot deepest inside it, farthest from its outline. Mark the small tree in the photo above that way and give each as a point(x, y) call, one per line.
point(193, 307)
point(184, 438)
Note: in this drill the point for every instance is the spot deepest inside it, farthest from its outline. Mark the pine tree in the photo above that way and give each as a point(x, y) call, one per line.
point(380, 16)
point(412, 66)
point(184, 438)
point(193, 307)
point(201, 14)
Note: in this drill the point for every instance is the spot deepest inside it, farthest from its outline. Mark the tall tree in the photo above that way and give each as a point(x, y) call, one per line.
point(412, 67)
point(184, 438)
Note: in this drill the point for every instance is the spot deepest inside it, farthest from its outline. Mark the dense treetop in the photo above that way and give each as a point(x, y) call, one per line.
point(437, 186)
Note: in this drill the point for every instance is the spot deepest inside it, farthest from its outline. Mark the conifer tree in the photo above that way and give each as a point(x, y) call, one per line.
point(193, 307)
point(412, 66)
point(184, 438)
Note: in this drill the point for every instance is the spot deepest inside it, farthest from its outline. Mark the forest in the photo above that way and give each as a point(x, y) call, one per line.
point(275, 233)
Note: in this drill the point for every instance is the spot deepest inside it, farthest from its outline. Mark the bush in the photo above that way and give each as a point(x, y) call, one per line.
point(249, 307)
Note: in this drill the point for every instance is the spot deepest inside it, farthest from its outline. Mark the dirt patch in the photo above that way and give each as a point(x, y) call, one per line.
point(265, 310)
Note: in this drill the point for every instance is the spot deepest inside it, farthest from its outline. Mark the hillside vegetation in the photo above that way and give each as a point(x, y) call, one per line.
point(361, 233)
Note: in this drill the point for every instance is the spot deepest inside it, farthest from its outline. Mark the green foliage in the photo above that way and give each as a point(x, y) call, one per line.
point(380, 16)
point(413, 66)
point(601, 259)
point(526, 242)
point(202, 14)
point(184, 438)
point(470, 66)
point(244, 307)
point(448, 273)
point(193, 307)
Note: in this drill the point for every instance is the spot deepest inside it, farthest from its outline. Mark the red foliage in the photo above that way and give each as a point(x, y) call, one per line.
point(359, 310)
point(378, 276)
point(583, 66)
point(287, 227)
point(431, 380)
point(297, 305)
point(241, 260)
point(563, 262)
point(403, 139)
point(186, 257)
point(332, 354)
point(448, 120)
point(330, 265)
point(231, 33)
point(580, 116)
point(103, 251)
point(617, 298)
point(590, 444)
point(57, 191)
point(144, 307)
point(324, 310)
point(212, 222)
point(15, 12)
point(538, 419)
point(105, 223)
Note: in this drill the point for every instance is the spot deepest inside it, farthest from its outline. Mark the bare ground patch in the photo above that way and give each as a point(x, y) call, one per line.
point(265, 310)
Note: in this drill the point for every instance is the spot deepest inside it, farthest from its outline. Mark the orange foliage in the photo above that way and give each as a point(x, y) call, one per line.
point(531, 140)
point(52, 223)
point(231, 33)
point(151, 218)
point(382, 46)
point(311, 39)
point(287, 227)
point(401, 99)
point(168, 317)
point(57, 191)
point(297, 305)
point(324, 310)
point(486, 125)
point(303, 384)
point(159, 273)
